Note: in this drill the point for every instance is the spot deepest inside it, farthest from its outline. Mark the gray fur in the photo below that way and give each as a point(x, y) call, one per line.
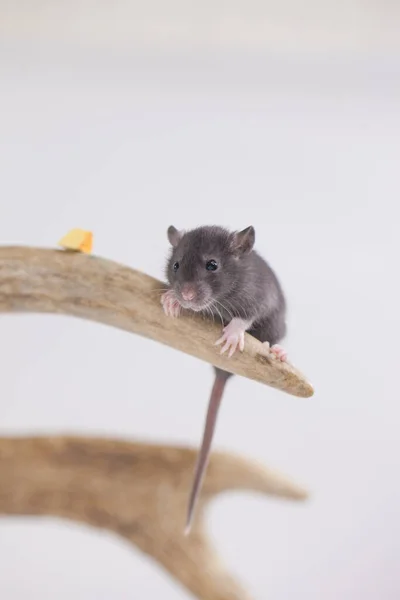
point(243, 286)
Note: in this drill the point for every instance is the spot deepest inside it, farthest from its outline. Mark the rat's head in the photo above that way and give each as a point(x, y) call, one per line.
point(205, 262)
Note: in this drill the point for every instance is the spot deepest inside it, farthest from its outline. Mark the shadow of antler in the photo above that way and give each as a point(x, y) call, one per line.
point(138, 491)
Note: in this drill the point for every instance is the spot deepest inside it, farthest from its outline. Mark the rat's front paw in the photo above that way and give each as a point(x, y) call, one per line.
point(170, 304)
point(232, 338)
point(278, 352)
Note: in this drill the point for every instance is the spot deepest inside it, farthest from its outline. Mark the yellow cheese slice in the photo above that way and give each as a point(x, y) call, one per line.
point(78, 240)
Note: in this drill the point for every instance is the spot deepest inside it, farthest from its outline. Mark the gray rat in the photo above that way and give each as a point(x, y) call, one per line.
point(216, 272)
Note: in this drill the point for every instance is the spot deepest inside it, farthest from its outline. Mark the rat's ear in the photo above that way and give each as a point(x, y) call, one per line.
point(242, 242)
point(174, 236)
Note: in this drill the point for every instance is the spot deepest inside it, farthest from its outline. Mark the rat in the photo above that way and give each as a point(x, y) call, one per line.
point(217, 272)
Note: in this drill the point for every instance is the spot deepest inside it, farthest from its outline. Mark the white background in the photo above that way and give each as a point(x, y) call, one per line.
point(305, 147)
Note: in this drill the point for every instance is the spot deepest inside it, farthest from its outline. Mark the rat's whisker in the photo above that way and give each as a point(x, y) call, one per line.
point(157, 290)
point(244, 309)
point(225, 308)
point(214, 305)
point(208, 312)
point(232, 315)
point(222, 306)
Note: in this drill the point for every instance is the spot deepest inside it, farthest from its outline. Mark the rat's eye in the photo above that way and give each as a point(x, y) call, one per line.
point(211, 265)
point(176, 266)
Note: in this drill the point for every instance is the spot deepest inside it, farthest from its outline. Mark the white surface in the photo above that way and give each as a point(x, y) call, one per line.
point(310, 156)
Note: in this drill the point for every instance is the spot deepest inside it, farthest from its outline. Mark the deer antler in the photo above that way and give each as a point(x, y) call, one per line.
point(40, 280)
point(138, 491)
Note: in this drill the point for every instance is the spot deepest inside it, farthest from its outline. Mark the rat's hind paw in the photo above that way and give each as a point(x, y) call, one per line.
point(170, 304)
point(278, 352)
point(232, 338)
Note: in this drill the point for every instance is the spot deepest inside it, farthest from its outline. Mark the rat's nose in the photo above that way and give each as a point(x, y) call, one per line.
point(188, 292)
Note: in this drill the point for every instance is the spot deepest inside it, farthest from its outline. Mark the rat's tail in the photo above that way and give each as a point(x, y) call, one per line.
point(217, 391)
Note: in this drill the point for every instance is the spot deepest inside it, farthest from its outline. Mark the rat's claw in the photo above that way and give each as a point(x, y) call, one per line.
point(233, 348)
point(175, 309)
point(279, 352)
point(232, 338)
point(231, 345)
point(241, 342)
point(170, 304)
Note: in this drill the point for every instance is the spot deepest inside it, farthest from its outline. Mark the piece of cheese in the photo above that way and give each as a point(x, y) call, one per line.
point(78, 240)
